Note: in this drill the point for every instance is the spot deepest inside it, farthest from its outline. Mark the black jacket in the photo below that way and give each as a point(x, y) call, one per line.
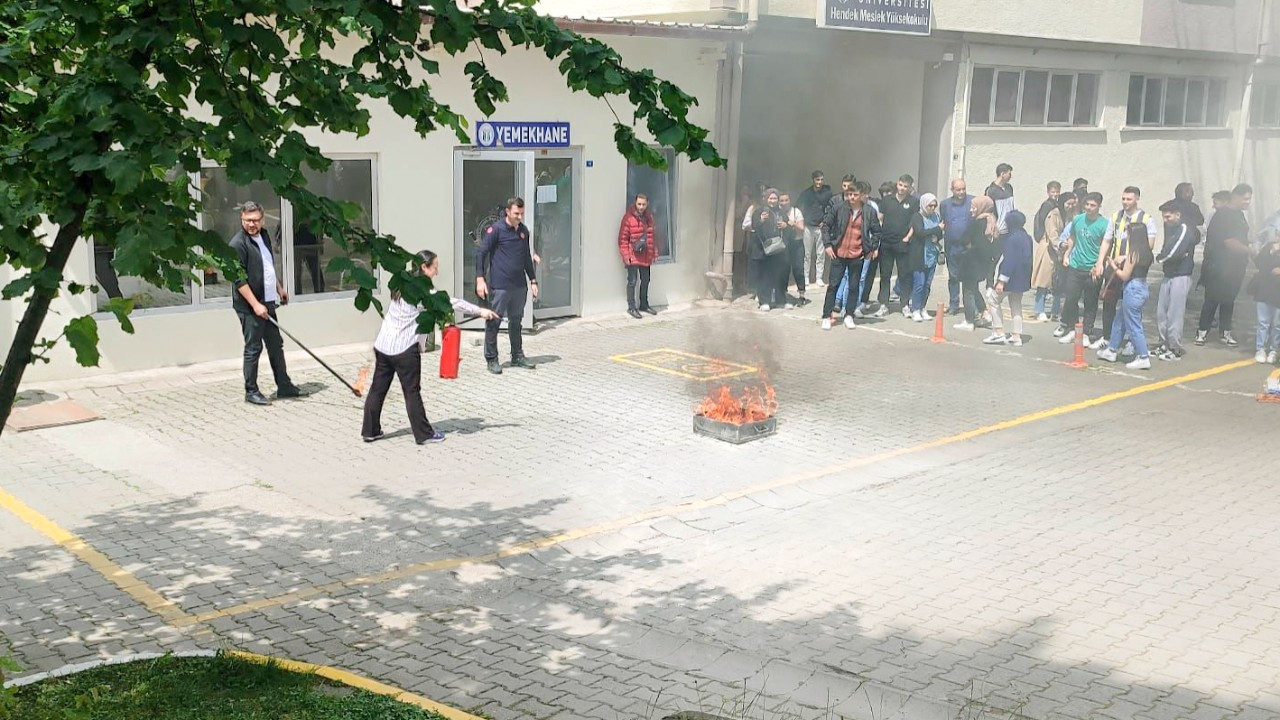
point(838, 219)
point(1266, 285)
point(813, 204)
point(246, 251)
point(764, 225)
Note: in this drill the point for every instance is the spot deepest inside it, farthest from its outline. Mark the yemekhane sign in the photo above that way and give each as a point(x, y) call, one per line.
point(522, 134)
point(898, 16)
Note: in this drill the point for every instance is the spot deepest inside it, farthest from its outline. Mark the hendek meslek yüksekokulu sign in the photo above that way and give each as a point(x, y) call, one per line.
point(900, 16)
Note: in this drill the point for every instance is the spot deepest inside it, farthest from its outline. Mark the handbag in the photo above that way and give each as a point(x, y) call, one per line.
point(774, 245)
point(1112, 287)
point(639, 247)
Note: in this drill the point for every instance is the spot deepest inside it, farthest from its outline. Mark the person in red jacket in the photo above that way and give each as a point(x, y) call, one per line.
point(639, 251)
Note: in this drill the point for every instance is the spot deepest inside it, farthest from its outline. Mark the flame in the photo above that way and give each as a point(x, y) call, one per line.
point(754, 404)
point(362, 382)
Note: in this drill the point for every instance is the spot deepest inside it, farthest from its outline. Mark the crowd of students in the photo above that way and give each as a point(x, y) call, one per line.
point(1076, 259)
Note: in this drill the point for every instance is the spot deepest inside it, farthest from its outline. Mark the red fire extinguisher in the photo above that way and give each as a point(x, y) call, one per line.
point(450, 347)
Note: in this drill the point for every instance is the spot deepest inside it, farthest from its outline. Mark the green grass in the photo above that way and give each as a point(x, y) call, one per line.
point(201, 688)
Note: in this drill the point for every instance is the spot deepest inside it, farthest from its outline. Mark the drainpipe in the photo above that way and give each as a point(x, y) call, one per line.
point(960, 114)
point(1246, 102)
point(728, 188)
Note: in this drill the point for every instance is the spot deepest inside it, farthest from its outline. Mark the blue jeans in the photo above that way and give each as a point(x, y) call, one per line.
point(1042, 294)
point(1268, 327)
point(1128, 322)
point(921, 287)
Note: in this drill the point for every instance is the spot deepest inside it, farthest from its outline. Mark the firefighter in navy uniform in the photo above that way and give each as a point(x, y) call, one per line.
point(504, 275)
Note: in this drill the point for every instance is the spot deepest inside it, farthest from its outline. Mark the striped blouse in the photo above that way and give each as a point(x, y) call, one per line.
point(399, 329)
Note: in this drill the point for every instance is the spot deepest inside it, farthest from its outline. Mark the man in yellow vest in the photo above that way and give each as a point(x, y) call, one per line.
point(1128, 215)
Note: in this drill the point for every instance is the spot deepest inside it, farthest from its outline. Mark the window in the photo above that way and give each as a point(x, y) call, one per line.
point(300, 256)
point(1156, 101)
point(1010, 96)
point(1265, 107)
point(659, 186)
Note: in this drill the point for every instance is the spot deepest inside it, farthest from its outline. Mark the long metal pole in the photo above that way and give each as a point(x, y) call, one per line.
point(315, 357)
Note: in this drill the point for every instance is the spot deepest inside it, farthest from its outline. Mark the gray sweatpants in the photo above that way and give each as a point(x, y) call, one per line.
point(815, 258)
point(1170, 310)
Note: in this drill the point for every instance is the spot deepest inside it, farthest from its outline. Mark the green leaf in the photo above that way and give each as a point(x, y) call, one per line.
point(82, 333)
point(121, 307)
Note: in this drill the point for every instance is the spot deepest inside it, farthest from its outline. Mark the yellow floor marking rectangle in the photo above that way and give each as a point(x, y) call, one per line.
point(685, 365)
point(103, 565)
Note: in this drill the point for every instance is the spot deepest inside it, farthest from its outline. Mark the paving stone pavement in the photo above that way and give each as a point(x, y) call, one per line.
point(1112, 561)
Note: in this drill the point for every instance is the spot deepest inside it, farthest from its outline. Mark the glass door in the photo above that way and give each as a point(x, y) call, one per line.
point(485, 179)
point(558, 241)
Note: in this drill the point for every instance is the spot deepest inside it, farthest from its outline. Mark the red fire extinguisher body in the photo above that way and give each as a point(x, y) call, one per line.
point(450, 348)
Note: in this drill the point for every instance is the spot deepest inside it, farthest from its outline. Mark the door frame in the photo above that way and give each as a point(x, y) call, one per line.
point(524, 186)
point(574, 308)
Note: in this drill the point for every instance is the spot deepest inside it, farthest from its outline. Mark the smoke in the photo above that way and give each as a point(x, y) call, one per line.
point(744, 338)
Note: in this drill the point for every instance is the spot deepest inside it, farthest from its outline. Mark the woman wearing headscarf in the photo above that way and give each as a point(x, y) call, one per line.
point(976, 261)
point(924, 249)
point(1045, 256)
point(1013, 277)
point(768, 250)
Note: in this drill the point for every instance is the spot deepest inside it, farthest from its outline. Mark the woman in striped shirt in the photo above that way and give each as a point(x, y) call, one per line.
point(399, 354)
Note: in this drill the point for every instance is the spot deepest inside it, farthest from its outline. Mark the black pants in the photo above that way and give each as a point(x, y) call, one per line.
point(798, 272)
point(309, 255)
point(871, 276)
point(105, 272)
point(1217, 302)
point(509, 304)
point(258, 332)
point(638, 274)
point(889, 259)
point(771, 279)
point(408, 367)
point(838, 267)
point(1109, 316)
point(1079, 285)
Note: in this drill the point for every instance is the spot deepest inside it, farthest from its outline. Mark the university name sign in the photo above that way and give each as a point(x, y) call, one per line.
point(522, 134)
point(897, 16)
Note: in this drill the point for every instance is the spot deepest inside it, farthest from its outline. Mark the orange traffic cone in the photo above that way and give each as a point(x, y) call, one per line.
point(1078, 361)
point(938, 337)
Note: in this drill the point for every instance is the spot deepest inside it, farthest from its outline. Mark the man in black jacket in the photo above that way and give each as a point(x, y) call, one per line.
point(255, 300)
point(503, 262)
point(813, 205)
point(852, 239)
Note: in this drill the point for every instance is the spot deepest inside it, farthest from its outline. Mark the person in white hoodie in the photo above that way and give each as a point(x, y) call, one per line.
point(398, 353)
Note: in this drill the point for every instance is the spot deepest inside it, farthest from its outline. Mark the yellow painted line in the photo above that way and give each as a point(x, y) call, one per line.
point(100, 563)
point(355, 681)
point(733, 369)
point(529, 546)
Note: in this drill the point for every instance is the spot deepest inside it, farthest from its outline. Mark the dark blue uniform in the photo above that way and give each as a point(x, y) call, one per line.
point(505, 260)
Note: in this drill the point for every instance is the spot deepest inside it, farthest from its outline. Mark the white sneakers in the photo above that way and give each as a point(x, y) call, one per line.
point(917, 316)
point(1042, 317)
point(963, 325)
point(880, 312)
point(1142, 363)
point(1068, 338)
point(995, 338)
point(1108, 354)
point(860, 312)
point(1099, 344)
point(848, 322)
point(1271, 357)
point(1015, 340)
point(826, 323)
point(764, 308)
point(1261, 357)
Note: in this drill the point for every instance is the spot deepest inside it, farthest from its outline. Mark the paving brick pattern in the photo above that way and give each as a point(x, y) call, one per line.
point(1112, 562)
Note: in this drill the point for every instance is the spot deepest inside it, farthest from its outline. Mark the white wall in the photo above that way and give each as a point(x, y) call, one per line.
point(1111, 156)
point(416, 201)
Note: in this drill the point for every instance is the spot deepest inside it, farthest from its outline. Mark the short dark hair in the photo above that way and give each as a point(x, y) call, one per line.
point(1171, 207)
point(1134, 189)
point(887, 187)
point(1094, 196)
point(1053, 185)
point(1242, 189)
point(863, 186)
point(906, 179)
point(817, 174)
point(848, 179)
point(1078, 182)
point(249, 206)
point(513, 202)
point(783, 193)
point(1222, 196)
point(1003, 168)
point(641, 196)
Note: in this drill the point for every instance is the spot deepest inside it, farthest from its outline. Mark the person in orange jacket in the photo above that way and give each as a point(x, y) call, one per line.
point(639, 250)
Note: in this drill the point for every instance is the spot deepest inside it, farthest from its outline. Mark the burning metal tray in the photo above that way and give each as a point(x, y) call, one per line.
point(733, 433)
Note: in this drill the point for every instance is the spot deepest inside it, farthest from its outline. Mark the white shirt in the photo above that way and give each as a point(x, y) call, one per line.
point(399, 330)
point(269, 291)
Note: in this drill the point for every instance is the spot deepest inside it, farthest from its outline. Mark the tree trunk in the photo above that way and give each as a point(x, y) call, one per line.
point(15, 365)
